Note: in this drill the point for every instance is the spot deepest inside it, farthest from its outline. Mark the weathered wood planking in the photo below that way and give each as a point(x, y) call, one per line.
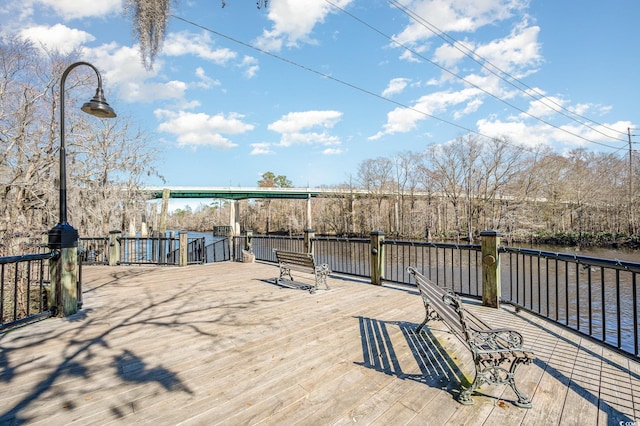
point(221, 344)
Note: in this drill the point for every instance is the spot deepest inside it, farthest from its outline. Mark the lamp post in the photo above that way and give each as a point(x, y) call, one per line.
point(64, 237)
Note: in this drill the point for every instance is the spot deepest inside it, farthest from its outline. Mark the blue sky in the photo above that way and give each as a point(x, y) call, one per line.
point(316, 87)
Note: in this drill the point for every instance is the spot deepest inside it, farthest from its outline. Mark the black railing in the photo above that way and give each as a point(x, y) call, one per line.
point(262, 246)
point(218, 251)
point(23, 283)
point(454, 266)
point(94, 250)
point(596, 297)
point(148, 251)
point(344, 256)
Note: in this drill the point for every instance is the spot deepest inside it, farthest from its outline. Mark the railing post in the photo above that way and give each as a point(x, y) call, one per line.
point(114, 247)
point(247, 253)
point(491, 285)
point(63, 273)
point(309, 234)
point(377, 257)
point(183, 259)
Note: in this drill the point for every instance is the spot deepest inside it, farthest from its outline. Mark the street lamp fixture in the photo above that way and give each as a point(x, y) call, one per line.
point(64, 235)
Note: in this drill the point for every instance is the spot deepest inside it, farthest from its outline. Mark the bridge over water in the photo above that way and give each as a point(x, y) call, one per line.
point(246, 193)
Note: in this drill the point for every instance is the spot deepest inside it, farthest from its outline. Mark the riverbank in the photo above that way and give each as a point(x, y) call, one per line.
point(575, 239)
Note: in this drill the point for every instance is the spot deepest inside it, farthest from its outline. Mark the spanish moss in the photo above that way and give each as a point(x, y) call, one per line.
point(150, 19)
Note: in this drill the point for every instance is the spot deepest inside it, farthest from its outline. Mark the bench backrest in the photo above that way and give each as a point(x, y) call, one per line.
point(295, 258)
point(448, 306)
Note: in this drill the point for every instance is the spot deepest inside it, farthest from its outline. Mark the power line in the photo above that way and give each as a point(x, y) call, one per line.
point(371, 93)
point(461, 47)
point(394, 41)
point(330, 77)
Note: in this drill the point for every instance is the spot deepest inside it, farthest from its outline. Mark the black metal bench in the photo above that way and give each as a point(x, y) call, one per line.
point(301, 262)
point(497, 353)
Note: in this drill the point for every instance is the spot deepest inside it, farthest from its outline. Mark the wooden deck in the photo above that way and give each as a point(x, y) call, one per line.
point(222, 344)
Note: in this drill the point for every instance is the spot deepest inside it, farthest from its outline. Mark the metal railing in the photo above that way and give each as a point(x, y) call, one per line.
point(153, 250)
point(23, 284)
point(596, 297)
point(219, 251)
point(94, 250)
point(454, 266)
point(149, 251)
point(262, 246)
point(344, 256)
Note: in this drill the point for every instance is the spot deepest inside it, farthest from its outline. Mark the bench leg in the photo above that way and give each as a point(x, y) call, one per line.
point(430, 315)
point(523, 400)
point(465, 395)
point(496, 375)
point(284, 272)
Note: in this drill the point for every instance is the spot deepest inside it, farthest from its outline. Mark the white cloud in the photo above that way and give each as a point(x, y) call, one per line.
point(455, 16)
point(448, 56)
point(262, 148)
point(297, 121)
point(250, 65)
point(57, 37)
point(396, 85)
point(75, 9)
point(200, 129)
point(545, 106)
point(520, 49)
point(518, 132)
point(121, 64)
point(294, 20)
point(296, 127)
point(123, 71)
point(332, 151)
point(205, 82)
point(402, 120)
point(200, 45)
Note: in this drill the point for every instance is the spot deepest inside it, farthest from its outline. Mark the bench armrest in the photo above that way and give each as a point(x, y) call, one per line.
point(495, 340)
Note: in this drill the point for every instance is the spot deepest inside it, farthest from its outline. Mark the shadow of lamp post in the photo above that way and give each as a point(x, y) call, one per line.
point(63, 237)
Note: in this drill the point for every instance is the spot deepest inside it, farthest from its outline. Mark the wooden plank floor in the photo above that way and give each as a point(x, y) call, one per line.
point(222, 344)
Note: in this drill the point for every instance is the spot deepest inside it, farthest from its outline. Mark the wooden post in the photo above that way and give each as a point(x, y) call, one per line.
point(183, 260)
point(308, 216)
point(309, 234)
point(63, 272)
point(377, 257)
point(114, 247)
point(491, 285)
point(166, 193)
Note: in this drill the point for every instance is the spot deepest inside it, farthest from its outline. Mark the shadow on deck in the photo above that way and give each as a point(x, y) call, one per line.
point(221, 343)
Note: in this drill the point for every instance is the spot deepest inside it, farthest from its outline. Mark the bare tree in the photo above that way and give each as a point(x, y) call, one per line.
point(107, 160)
point(453, 166)
point(376, 177)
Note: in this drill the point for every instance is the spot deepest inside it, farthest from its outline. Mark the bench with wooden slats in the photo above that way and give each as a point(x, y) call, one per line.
point(497, 353)
point(301, 262)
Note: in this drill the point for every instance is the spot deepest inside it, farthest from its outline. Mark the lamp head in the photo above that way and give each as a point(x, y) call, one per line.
point(98, 106)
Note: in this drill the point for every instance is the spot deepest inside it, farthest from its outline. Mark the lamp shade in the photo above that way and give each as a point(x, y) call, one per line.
point(98, 106)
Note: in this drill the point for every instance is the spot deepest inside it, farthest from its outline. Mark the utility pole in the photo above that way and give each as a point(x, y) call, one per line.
point(632, 227)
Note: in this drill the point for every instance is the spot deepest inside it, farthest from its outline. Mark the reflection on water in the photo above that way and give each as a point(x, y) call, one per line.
point(628, 255)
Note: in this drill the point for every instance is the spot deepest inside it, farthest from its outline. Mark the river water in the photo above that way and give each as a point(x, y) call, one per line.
point(628, 255)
